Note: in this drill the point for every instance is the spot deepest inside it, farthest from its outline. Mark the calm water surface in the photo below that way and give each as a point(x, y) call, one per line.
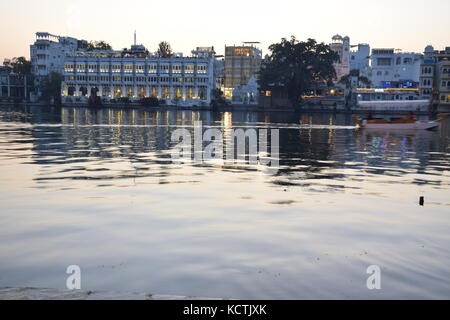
point(97, 188)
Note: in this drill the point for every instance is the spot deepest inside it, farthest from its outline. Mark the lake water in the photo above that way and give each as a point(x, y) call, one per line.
point(98, 189)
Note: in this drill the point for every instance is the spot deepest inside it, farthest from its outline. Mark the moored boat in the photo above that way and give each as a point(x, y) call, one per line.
point(407, 123)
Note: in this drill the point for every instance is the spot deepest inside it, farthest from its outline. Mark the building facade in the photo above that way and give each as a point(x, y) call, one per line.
point(427, 74)
point(435, 76)
point(360, 59)
point(442, 71)
point(393, 69)
point(48, 52)
point(341, 45)
point(136, 74)
point(241, 63)
point(14, 85)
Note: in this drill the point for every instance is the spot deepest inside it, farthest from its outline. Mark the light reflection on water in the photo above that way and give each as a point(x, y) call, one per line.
point(97, 188)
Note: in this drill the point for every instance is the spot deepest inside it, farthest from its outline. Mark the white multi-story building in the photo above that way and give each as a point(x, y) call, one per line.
point(49, 51)
point(341, 45)
point(360, 59)
point(136, 74)
point(394, 69)
point(427, 74)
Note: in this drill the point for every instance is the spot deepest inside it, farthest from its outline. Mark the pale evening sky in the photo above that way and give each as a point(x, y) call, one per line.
point(186, 24)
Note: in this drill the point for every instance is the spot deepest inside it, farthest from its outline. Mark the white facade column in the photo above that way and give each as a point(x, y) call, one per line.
point(208, 94)
point(147, 91)
point(159, 92)
point(196, 93)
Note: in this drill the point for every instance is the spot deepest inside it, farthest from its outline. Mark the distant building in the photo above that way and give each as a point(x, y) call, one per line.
point(443, 76)
point(48, 52)
point(341, 45)
point(360, 59)
point(135, 73)
point(14, 85)
point(241, 63)
point(427, 74)
point(393, 69)
point(435, 76)
point(218, 66)
point(219, 73)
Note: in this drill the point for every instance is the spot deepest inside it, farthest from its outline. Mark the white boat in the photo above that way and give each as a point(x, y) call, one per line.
point(399, 123)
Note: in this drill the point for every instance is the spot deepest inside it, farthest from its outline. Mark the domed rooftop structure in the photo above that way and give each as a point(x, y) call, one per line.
point(429, 49)
point(337, 38)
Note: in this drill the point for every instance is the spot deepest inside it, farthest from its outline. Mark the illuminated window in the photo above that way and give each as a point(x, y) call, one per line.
point(81, 68)
point(164, 69)
point(178, 93)
point(128, 68)
point(165, 92)
point(190, 93)
point(68, 68)
point(176, 68)
point(116, 68)
point(201, 69)
point(104, 68)
point(189, 69)
point(153, 68)
point(140, 68)
point(92, 68)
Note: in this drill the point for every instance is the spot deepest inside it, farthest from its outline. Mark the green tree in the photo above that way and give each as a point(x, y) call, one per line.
point(18, 65)
point(164, 50)
point(297, 66)
point(217, 98)
point(98, 45)
point(51, 87)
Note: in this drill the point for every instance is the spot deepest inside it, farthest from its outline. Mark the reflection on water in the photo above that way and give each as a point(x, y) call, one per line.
point(98, 188)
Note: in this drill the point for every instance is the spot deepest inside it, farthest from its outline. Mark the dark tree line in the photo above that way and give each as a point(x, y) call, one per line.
point(297, 66)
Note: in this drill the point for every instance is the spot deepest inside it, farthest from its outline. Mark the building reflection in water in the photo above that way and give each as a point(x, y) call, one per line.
point(78, 136)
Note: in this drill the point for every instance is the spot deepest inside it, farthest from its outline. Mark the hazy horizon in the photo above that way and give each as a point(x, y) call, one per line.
point(187, 25)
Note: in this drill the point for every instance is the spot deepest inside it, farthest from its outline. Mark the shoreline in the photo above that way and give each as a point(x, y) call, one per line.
point(10, 293)
point(231, 108)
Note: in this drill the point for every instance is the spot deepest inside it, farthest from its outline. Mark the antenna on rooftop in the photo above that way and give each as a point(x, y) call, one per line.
point(134, 37)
